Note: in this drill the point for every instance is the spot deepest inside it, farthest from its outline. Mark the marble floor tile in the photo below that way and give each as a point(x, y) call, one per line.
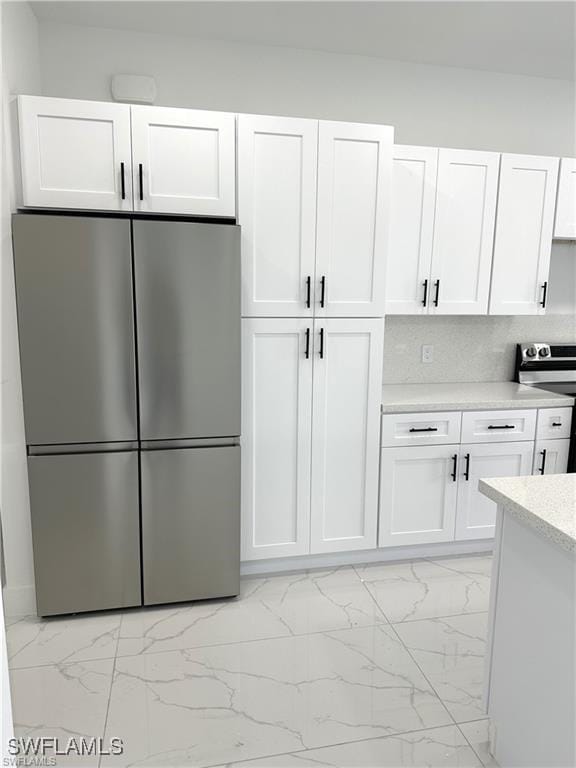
point(203, 706)
point(474, 565)
point(477, 734)
point(64, 701)
point(437, 747)
point(33, 641)
point(425, 590)
point(450, 652)
point(276, 606)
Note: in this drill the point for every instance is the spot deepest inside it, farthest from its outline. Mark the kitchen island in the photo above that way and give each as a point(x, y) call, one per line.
point(530, 667)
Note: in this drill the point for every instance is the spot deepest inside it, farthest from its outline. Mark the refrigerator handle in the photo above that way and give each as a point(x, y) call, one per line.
point(141, 180)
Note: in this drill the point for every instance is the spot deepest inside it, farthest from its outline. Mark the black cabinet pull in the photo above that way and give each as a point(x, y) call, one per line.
point(437, 294)
point(141, 180)
point(308, 289)
point(556, 423)
point(425, 297)
point(323, 291)
point(122, 181)
point(321, 343)
point(307, 350)
point(467, 467)
point(543, 467)
point(454, 465)
point(423, 429)
point(544, 294)
point(501, 426)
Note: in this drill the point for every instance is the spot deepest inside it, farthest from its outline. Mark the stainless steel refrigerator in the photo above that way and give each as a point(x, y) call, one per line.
point(130, 353)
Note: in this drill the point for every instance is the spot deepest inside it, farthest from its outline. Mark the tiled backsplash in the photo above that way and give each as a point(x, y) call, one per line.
point(465, 348)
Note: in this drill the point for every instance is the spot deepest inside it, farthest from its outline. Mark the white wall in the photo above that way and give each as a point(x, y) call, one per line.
point(20, 74)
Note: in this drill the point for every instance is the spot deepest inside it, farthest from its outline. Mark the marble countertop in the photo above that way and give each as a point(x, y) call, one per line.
point(405, 398)
point(546, 503)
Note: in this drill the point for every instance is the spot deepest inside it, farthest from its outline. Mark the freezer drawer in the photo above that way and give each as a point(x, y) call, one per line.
point(190, 523)
point(76, 328)
point(85, 530)
point(188, 314)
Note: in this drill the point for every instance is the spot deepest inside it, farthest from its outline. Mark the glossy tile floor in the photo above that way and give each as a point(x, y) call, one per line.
point(367, 666)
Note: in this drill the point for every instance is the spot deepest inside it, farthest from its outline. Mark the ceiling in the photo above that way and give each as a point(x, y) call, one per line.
point(526, 38)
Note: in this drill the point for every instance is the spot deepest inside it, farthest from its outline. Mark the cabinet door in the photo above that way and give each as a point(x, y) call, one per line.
point(75, 154)
point(354, 174)
point(277, 162)
point(551, 457)
point(418, 494)
point(412, 204)
point(463, 231)
point(345, 434)
point(565, 226)
point(476, 515)
point(276, 437)
point(183, 161)
point(523, 240)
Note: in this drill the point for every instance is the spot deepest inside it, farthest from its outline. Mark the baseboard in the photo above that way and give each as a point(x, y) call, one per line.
point(390, 554)
point(19, 601)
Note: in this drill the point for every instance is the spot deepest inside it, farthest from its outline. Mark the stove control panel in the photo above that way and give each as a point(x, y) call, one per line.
point(534, 351)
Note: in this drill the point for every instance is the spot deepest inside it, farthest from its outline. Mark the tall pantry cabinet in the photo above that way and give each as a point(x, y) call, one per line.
point(312, 204)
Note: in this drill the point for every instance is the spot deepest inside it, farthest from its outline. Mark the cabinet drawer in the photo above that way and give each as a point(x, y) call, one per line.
point(420, 428)
point(554, 423)
point(498, 426)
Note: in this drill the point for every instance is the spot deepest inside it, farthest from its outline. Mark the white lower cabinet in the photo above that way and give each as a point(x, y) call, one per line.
point(418, 494)
point(476, 515)
point(551, 457)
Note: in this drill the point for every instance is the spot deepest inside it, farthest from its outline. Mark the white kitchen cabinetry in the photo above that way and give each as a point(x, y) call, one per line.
point(184, 161)
point(523, 239)
point(466, 195)
point(476, 515)
point(565, 226)
point(412, 204)
point(276, 437)
point(418, 494)
point(277, 167)
point(345, 433)
point(551, 457)
point(75, 154)
point(354, 171)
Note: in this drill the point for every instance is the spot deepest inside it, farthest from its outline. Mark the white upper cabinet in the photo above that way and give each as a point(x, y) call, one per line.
point(523, 241)
point(466, 195)
point(345, 433)
point(75, 154)
point(565, 226)
point(412, 202)
point(183, 161)
point(354, 173)
point(277, 165)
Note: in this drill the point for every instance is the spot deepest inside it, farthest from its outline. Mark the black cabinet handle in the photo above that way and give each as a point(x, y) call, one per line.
point(308, 289)
point(323, 291)
point(122, 182)
point(141, 180)
point(425, 297)
point(423, 429)
point(501, 426)
point(321, 343)
point(544, 294)
point(307, 350)
point(437, 294)
point(454, 465)
point(556, 423)
point(543, 467)
point(467, 467)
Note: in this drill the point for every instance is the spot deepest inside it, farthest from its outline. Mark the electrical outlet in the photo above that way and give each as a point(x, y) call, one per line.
point(427, 353)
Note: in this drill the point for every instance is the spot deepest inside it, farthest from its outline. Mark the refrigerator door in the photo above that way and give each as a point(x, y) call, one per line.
point(76, 328)
point(190, 523)
point(85, 531)
point(188, 316)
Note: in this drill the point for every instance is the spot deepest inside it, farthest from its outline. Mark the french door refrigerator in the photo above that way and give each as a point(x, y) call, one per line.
point(130, 355)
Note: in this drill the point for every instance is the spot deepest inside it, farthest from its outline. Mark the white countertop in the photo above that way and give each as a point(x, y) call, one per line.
point(406, 398)
point(546, 503)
